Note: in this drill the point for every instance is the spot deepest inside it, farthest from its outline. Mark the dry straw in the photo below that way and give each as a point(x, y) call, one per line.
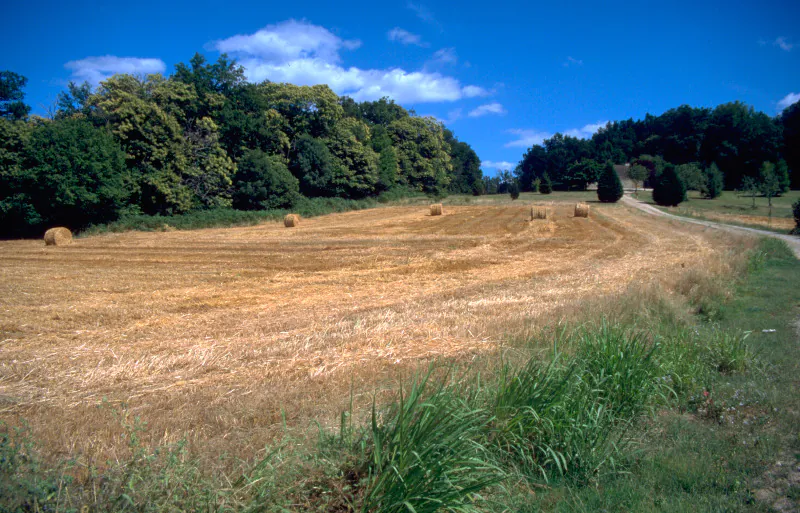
point(291, 220)
point(58, 236)
point(581, 210)
point(436, 209)
point(540, 213)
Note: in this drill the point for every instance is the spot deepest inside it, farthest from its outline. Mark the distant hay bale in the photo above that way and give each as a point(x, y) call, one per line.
point(436, 209)
point(58, 236)
point(291, 220)
point(540, 213)
point(581, 210)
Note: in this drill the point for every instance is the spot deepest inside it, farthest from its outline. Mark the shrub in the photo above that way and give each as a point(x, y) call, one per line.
point(513, 190)
point(714, 182)
point(546, 185)
point(609, 186)
point(796, 213)
point(263, 182)
point(669, 190)
point(782, 172)
point(478, 187)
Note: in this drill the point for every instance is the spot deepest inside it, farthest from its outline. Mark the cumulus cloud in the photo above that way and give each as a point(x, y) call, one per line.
point(405, 37)
point(526, 138)
point(789, 99)
point(586, 131)
point(497, 164)
point(306, 54)
point(489, 108)
point(572, 62)
point(96, 69)
point(783, 44)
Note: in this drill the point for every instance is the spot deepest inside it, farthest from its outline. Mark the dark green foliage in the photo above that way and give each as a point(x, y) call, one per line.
point(796, 214)
point(713, 182)
point(387, 168)
point(313, 164)
point(73, 175)
point(11, 105)
point(580, 174)
point(545, 186)
point(263, 182)
point(669, 190)
point(790, 121)
point(478, 187)
point(75, 100)
point(465, 162)
point(782, 175)
point(609, 186)
point(513, 190)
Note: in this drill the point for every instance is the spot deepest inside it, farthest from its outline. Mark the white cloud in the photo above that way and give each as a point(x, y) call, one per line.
point(572, 61)
point(445, 56)
point(783, 44)
point(526, 138)
point(489, 108)
point(306, 54)
point(788, 100)
point(288, 41)
point(586, 131)
point(422, 12)
point(96, 69)
point(405, 37)
point(501, 164)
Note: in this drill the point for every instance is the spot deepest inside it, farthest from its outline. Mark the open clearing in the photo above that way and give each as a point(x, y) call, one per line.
point(210, 334)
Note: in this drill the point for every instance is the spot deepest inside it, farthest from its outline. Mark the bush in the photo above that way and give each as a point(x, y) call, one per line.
point(714, 182)
point(264, 182)
point(669, 190)
point(796, 212)
point(478, 187)
point(609, 187)
point(546, 185)
point(513, 190)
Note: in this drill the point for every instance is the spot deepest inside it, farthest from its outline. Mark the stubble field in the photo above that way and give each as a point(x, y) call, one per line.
point(220, 336)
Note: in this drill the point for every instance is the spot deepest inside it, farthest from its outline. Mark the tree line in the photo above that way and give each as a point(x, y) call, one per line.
point(731, 141)
point(205, 138)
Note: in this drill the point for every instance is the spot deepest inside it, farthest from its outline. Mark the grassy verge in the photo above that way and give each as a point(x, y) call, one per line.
point(637, 412)
point(731, 208)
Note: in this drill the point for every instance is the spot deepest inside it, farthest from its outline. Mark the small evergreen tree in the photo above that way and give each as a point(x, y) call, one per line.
point(546, 185)
point(714, 182)
point(513, 190)
point(478, 187)
point(796, 212)
point(609, 186)
point(669, 190)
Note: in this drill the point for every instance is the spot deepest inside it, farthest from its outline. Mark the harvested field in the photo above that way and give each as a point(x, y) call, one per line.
point(209, 334)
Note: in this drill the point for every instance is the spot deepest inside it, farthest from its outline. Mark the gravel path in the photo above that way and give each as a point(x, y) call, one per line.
point(791, 240)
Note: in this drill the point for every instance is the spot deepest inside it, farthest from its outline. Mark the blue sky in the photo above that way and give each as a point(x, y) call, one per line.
point(501, 75)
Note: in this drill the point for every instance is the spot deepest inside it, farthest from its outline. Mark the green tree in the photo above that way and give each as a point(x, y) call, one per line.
point(513, 190)
point(478, 187)
point(790, 122)
point(545, 186)
point(387, 168)
point(74, 101)
point(580, 174)
point(313, 164)
point(18, 216)
point(209, 171)
point(714, 182)
point(263, 182)
point(692, 176)
point(796, 214)
point(348, 142)
point(782, 174)
point(669, 189)
point(770, 185)
point(11, 95)
point(638, 174)
point(78, 174)
point(609, 186)
point(313, 110)
point(750, 187)
point(423, 154)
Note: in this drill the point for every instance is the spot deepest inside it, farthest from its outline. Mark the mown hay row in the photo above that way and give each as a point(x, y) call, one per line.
point(59, 236)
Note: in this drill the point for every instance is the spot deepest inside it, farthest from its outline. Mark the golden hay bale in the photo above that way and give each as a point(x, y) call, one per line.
point(540, 213)
point(291, 220)
point(581, 210)
point(436, 209)
point(58, 236)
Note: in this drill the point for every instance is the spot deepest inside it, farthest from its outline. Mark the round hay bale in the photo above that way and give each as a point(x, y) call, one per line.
point(58, 236)
point(581, 210)
point(540, 213)
point(291, 220)
point(436, 209)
